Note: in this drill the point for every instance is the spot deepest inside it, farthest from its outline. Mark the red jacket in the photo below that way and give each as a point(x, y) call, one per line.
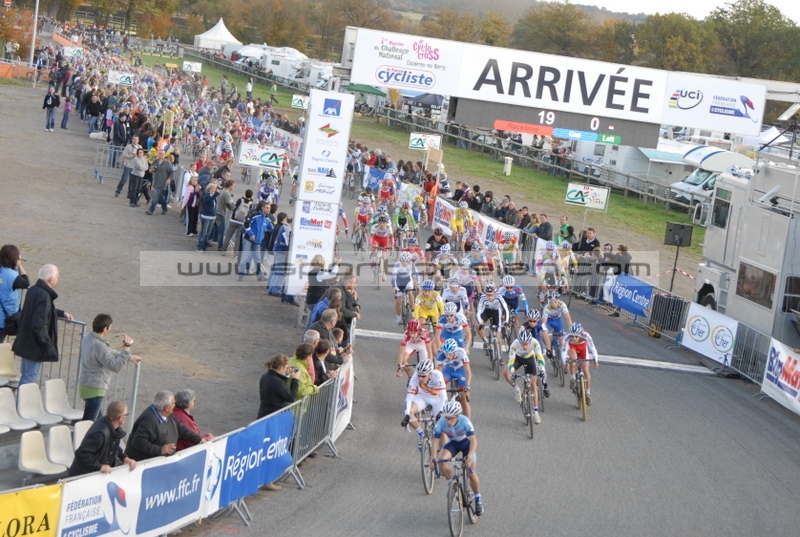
point(188, 420)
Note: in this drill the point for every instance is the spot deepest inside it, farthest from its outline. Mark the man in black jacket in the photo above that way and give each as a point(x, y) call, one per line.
point(156, 431)
point(37, 335)
point(120, 135)
point(100, 449)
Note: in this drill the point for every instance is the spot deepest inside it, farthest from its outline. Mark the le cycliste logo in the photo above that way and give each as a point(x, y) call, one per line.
point(332, 107)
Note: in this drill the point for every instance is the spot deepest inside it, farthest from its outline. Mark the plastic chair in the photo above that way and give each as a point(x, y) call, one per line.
point(29, 405)
point(59, 445)
point(8, 370)
point(81, 428)
point(33, 459)
point(56, 402)
point(8, 412)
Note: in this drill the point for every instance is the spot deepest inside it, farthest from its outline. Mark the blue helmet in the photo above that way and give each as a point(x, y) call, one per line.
point(576, 329)
point(427, 285)
point(449, 346)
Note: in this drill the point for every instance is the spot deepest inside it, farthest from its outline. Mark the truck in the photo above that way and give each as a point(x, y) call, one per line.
point(709, 162)
point(751, 267)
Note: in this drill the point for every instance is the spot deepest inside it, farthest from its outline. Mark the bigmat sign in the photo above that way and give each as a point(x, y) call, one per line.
point(552, 82)
point(782, 376)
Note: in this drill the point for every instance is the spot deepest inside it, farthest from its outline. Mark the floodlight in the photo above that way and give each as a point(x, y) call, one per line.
point(791, 111)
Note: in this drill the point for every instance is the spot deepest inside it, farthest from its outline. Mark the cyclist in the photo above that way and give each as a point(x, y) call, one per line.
point(466, 277)
point(383, 210)
point(568, 260)
point(426, 387)
point(513, 295)
point(343, 216)
point(461, 434)
point(538, 329)
point(429, 305)
point(268, 190)
point(386, 190)
point(453, 362)
point(403, 276)
point(453, 325)
point(460, 221)
point(471, 238)
point(553, 313)
point(445, 261)
point(419, 211)
point(525, 351)
point(413, 248)
point(381, 238)
point(369, 194)
point(435, 243)
point(456, 294)
point(577, 345)
point(549, 267)
point(493, 258)
point(364, 210)
point(403, 220)
point(415, 339)
point(508, 245)
point(491, 308)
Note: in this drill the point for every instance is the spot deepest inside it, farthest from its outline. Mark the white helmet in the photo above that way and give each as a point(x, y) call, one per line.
point(451, 409)
point(451, 307)
point(445, 249)
point(425, 367)
point(509, 281)
point(405, 256)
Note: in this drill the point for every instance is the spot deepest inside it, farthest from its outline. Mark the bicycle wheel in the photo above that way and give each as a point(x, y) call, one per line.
point(561, 373)
point(428, 476)
point(469, 506)
point(540, 386)
point(407, 312)
point(529, 412)
point(498, 361)
point(455, 510)
point(582, 399)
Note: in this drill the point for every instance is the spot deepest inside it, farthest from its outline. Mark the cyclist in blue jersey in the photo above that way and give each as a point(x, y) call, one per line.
point(454, 325)
point(538, 329)
point(456, 294)
point(555, 313)
point(453, 362)
point(461, 439)
point(513, 295)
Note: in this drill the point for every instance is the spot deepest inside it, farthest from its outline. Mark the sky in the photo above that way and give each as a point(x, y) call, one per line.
point(698, 9)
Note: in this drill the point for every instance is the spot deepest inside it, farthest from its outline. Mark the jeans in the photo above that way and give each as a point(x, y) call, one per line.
point(64, 120)
point(30, 372)
point(126, 174)
point(50, 119)
point(205, 233)
point(250, 252)
point(159, 197)
point(93, 408)
point(278, 274)
point(94, 124)
point(218, 234)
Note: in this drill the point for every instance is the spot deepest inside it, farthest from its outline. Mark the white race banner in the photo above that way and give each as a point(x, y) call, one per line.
point(266, 156)
point(556, 83)
point(325, 149)
point(73, 52)
point(422, 141)
point(588, 196)
point(709, 333)
point(313, 232)
point(194, 67)
point(343, 406)
point(489, 229)
point(782, 376)
point(407, 192)
point(121, 78)
point(300, 101)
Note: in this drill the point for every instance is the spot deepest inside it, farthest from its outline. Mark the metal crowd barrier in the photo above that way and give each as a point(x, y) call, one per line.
point(314, 424)
point(750, 353)
point(108, 163)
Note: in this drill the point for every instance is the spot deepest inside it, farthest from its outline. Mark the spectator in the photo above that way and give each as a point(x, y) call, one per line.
point(51, 102)
point(37, 335)
point(184, 404)
point(13, 279)
point(587, 243)
point(140, 168)
point(208, 213)
point(224, 207)
point(304, 364)
point(476, 200)
point(524, 218)
point(278, 386)
point(321, 372)
point(570, 236)
point(190, 203)
point(324, 326)
point(162, 179)
point(98, 361)
point(256, 230)
point(350, 307)
point(156, 431)
point(562, 229)
point(280, 249)
point(100, 449)
point(320, 280)
point(120, 135)
point(545, 231)
point(488, 207)
point(238, 216)
point(511, 215)
point(128, 155)
point(323, 304)
point(500, 211)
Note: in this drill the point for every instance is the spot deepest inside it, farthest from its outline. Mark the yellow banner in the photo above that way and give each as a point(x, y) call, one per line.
point(31, 511)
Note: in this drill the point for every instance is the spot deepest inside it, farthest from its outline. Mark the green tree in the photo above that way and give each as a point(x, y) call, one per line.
point(495, 30)
point(676, 42)
point(615, 41)
point(451, 24)
point(364, 13)
point(750, 32)
point(556, 28)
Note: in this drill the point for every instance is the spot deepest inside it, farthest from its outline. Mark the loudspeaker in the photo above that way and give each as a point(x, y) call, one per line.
point(678, 234)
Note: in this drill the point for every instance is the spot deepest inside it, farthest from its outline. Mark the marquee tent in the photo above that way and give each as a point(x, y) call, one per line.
point(215, 38)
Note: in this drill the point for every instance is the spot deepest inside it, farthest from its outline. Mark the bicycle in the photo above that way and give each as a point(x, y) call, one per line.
point(426, 458)
point(527, 400)
point(360, 240)
point(400, 241)
point(580, 389)
point(376, 262)
point(407, 309)
point(493, 351)
point(555, 358)
point(509, 329)
point(459, 498)
point(350, 184)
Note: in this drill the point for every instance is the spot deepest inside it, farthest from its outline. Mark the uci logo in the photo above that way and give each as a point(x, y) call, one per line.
point(685, 99)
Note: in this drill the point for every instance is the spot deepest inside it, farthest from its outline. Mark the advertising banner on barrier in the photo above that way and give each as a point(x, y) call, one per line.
point(442, 214)
point(288, 141)
point(372, 178)
point(782, 376)
point(407, 193)
point(123, 79)
point(265, 156)
point(258, 454)
point(32, 511)
point(325, 154)
point(343, 406)
point(300, 101)
point(709, 333)
point(489, 229)
point(590, 197)
point(313, 232)
point(422, 141)
point(629, 293)
point(194, 67)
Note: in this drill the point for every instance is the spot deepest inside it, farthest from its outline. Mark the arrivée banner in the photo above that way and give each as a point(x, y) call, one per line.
point(782, 376)
point(710, 333)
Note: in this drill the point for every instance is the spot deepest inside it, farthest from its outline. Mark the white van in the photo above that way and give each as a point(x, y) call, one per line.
point(710, 162)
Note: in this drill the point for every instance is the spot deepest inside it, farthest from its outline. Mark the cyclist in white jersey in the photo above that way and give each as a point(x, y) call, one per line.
point(578, 345)
point(456, 294)
point(491, 307)
point(415, 339)
point(403, 275)
point(426, 387)
point(555, 313)
point(525, 352)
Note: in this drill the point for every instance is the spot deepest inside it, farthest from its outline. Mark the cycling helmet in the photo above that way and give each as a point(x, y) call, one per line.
point(368, 191)
point(405, 257)
point(532, 314)
point(427, 285)
point(553, 295)
point(451, 307)
point(475, 246)
point(445, 249)
point(550, 245)
point(508, 235)
point(566, 246)
point(438, 231)
point(406, 206)
point(383, 219)
point(413, 325)
point(424, 367)
point(449, 346)
point(363, 199)
point(451, 409)
point(509, 281)
point(418, 199)
point(382, 208)
point(554, 255)
point(490, 288)
point(576, 329)
point(463, 205)
point(525, 336)
point(412, 240)
point(454, 283)
point(493, 246)
point(465, 263)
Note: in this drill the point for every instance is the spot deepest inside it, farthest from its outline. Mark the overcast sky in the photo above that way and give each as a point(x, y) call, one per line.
point(698, 9)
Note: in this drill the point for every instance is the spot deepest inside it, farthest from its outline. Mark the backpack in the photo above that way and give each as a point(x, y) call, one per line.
point(241, 210)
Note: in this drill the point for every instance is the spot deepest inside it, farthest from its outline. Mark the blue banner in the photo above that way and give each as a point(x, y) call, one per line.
point(171, 491)
point(629, 293)
point(258, 455)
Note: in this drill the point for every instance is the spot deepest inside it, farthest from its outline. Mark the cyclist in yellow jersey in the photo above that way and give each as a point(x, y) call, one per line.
point(461, 217)
point(429, 304)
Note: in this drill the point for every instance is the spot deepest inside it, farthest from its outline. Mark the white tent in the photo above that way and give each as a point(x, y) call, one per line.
point(215, 38)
